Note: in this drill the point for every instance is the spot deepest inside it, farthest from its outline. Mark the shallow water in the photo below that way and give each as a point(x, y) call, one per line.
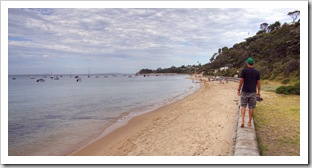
point(56, 117)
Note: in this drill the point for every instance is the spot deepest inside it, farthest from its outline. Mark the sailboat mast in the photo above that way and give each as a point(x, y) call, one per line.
point(88, 72)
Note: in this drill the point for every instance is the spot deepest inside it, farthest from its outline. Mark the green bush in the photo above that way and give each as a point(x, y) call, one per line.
point(295, 89)
point(285, 81)
point(281, 90)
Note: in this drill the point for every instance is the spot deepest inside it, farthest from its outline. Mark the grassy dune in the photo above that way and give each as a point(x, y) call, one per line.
point(277, 121)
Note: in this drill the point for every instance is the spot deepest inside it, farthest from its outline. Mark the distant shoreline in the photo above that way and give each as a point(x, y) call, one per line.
point(161, 74)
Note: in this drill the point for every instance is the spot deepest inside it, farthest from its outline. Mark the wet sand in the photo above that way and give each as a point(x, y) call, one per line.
point(202, 124)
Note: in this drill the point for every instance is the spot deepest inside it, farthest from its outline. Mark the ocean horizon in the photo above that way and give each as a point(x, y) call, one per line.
point(57, 115)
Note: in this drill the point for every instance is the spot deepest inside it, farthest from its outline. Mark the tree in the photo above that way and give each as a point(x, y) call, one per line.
point(294, 15)
point(213, 57)
point(225, 49)
point(159, 70)
point(260, 32)
point(274, 26)
point(220, 50)
point(143, 71)
point(264, 26)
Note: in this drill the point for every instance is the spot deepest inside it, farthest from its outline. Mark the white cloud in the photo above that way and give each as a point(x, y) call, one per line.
point(138, 36)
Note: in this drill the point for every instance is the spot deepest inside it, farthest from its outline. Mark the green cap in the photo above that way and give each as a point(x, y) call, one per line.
point(250, 61)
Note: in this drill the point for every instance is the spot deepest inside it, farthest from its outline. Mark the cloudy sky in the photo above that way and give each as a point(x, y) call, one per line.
point(109, 40)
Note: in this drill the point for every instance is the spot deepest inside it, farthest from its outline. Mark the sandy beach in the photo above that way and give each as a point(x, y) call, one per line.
point(202, 124)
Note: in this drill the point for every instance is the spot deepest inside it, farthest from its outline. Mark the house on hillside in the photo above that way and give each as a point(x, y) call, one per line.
point(226, 67)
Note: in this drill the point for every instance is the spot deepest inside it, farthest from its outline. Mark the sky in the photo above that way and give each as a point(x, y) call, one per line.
point(125, 40)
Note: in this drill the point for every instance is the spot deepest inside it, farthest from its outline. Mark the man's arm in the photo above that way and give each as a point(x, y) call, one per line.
point(241, 81)
point(258, 86)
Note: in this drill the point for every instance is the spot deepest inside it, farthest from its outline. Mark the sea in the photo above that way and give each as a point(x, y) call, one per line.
point(57, 115)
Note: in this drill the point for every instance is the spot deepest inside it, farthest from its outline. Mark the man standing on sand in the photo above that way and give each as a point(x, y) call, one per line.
point(250, 80)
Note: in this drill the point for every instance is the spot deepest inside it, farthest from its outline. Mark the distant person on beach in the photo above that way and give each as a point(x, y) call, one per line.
point(221, 81)
point(250, 80)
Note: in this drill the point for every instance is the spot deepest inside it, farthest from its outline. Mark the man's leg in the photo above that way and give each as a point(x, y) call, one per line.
point(243, 110)
point(252, 105)
point(244, 101)
point(250, 116)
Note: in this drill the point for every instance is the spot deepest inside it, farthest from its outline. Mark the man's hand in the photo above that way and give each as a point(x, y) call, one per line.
point(238, 93)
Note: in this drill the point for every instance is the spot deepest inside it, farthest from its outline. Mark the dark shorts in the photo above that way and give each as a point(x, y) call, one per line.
point(250, 99)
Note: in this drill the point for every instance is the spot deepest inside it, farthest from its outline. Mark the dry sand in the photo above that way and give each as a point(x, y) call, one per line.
point(202, 124)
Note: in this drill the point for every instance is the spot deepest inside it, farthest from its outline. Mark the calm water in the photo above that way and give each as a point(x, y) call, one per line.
point(57, 117)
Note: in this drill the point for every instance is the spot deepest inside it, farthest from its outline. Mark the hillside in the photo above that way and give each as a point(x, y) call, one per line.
point(276, 52)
